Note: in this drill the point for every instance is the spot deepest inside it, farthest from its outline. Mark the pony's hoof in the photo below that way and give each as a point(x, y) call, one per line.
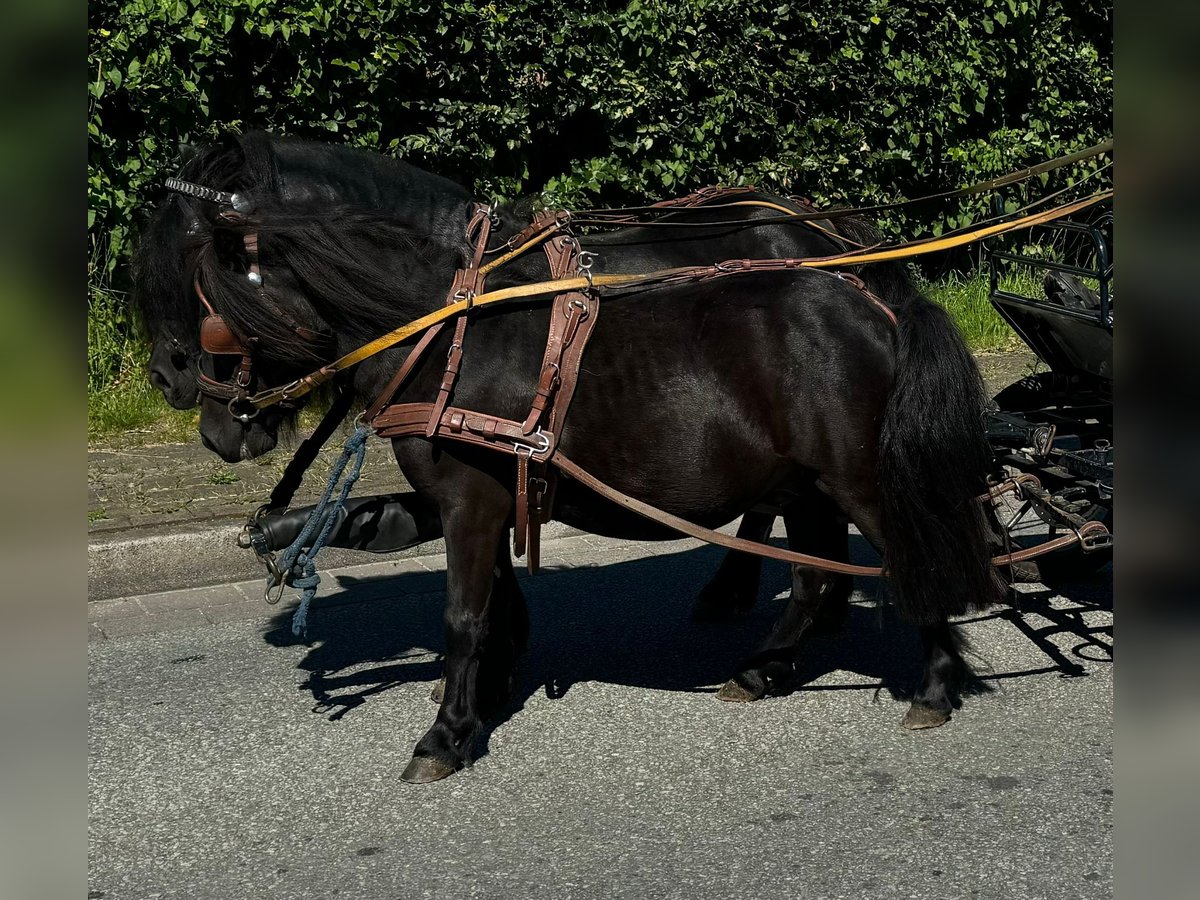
point(733, 691)
point(425, 769)
point(438, 694)
point(919, 717)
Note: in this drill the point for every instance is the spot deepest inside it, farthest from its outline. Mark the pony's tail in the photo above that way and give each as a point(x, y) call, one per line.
point(934, 462)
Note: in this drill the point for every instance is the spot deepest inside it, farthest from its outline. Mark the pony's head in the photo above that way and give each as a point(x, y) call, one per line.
point(265, 169)
point(167, 308)
point(284, 281)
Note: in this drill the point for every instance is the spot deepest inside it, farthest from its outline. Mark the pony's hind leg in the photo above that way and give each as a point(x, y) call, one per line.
point(819, 600)
point(944, 669)
point(944, 673)
point(733, 590)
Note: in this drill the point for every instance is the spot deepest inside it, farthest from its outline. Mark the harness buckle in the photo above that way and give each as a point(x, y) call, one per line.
point(523, 448)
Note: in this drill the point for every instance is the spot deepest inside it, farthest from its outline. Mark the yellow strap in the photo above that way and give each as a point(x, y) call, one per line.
point(933, 245)
point(562, 285)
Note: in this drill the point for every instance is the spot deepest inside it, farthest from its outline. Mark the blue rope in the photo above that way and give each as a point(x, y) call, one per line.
point(298, 558)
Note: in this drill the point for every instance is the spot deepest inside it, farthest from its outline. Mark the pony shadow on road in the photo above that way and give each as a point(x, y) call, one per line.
point(628, 623)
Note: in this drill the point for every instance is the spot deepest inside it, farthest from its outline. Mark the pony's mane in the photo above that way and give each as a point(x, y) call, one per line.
point(160, 295)
point(330, 220)
point(348, 270)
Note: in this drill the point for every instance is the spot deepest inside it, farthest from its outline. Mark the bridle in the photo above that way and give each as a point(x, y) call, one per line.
point(216, 337)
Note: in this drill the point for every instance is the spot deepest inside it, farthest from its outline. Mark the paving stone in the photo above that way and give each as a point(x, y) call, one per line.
point(150, 624)
point(113, 609)
point(219, 595)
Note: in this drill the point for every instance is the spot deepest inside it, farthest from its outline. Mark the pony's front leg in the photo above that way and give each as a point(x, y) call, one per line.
point(474, 528)
point(507, 609)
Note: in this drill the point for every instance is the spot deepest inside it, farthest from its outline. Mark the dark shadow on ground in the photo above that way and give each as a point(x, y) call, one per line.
point(629, 623)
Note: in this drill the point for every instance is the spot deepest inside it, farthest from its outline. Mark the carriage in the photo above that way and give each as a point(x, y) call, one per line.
point(1057, 425)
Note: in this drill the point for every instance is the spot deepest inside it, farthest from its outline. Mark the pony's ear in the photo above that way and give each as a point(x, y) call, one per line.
point(187, 152)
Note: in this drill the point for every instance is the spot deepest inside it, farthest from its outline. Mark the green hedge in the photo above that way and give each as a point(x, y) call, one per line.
point(842, 100)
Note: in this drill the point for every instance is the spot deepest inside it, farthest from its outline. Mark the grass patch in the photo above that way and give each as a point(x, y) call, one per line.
point(131, 408)
point(121, 402)
point(966, 299)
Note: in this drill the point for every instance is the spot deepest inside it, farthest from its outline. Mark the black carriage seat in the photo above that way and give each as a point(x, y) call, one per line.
point(1066, 290)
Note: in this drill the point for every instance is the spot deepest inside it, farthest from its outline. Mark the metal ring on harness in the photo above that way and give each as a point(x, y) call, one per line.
point(584, 264)
point(243, 417)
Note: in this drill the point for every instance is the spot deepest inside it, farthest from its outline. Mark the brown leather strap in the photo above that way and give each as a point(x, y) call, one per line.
point(450, 375)
point(572, 316)
point(467, 283)
point(539, 513)
point(250, 243)
point(403, 372)
point(478, 429)
point(710, 536)
point(544, 220)
point(853, 279)
point(704, 196)
point(521, 523)
point(700, 532)
point(582, 312)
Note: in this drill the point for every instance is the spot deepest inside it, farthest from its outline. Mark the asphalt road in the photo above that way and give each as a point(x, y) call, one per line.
point(230, 761)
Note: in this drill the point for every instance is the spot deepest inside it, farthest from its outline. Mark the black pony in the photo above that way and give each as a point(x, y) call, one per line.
point(704, 400)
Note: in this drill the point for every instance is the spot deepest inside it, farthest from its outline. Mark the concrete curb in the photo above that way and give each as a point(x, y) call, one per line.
point(164, 558)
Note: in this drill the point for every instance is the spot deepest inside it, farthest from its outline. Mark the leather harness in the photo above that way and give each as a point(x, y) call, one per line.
point(573, 314)
point(534, 439)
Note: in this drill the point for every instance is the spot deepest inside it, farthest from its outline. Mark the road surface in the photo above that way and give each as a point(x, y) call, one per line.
point(228, 760)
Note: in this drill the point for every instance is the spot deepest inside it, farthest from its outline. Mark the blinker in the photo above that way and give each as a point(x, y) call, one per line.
point(217, 338)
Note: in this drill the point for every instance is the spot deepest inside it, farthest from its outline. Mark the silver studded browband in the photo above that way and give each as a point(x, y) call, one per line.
point(239, 202)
